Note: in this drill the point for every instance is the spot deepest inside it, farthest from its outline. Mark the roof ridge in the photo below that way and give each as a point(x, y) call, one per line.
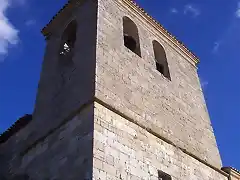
point(14, 128)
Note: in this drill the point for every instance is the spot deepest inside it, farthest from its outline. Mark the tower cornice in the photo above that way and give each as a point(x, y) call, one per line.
point(134, 6)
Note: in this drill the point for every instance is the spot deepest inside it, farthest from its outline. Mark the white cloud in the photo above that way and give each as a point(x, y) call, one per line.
point(191, 9)
point(8, 33)
point(174, 10)
point(238, 10)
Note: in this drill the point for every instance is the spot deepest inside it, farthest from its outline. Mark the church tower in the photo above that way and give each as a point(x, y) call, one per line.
point(119, 99)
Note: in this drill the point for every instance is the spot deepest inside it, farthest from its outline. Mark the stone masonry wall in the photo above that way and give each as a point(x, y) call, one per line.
point(61, 92)
point(65, 154)
point(65, 88)
point(125, 151)
point(175, 109)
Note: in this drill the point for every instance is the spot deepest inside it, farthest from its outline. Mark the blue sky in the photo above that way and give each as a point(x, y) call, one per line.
point(210, 28)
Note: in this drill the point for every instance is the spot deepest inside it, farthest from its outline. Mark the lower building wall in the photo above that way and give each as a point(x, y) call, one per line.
point(65, 153)
point(99, 144)
point(122, 150)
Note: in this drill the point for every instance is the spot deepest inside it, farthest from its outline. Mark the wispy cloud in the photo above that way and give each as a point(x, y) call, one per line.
point(174, 10)
point(238, 10)
point(229, 34)
point(188, 9)
point(191, 9)
point(204, 83)
point(216, 46)
point(226, 39)
point(8, 33)
point(30, 22)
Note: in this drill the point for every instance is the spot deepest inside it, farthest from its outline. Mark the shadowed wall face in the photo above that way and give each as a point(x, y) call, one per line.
point(63, 89)
point(65, 153)
point(67, 77)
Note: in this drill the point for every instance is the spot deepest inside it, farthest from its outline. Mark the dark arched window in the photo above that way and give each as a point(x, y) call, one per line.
point(131, 37)
point(68, 40)
point(163, 176)
point(161, 59)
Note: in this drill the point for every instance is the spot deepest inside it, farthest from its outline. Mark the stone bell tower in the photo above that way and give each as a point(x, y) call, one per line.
point(119, 98)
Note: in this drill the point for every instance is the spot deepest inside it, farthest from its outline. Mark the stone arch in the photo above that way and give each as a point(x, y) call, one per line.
point(67, 44)
point(131, 36)
point(161, 59)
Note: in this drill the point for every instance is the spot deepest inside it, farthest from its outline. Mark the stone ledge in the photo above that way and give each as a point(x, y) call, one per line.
point(234, 174)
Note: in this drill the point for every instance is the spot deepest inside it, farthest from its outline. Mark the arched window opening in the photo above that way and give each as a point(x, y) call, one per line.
point(131, 37)
point(67, 42)
point(160, 68)
point(163, 176)
point(161, 59)
point(130, 42)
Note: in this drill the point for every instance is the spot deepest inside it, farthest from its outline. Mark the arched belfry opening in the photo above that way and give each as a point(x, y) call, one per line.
point(68, 40)
point(131, 37)
point(161, 59)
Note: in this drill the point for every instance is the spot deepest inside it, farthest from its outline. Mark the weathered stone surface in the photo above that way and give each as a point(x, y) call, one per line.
point(63, 89)
point(123, 150)
point(66, 153)
point(174, 109)
point(57, 99)
point(110, 115)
